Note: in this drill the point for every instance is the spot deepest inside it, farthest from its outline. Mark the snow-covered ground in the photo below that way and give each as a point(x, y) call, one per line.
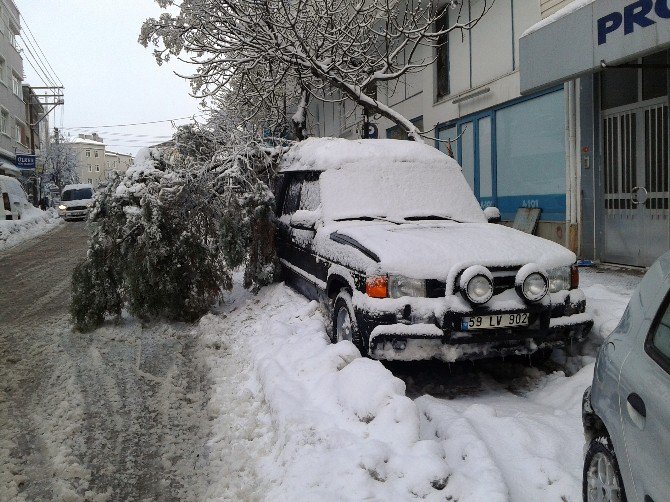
point(295, 417)
point(255, 403)
point(33, 224)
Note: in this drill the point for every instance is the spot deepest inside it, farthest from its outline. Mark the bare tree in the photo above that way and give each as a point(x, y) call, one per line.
point(60, 165)
point(269, 53)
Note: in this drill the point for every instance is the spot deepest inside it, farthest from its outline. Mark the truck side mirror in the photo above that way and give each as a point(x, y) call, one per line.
point(492, 214)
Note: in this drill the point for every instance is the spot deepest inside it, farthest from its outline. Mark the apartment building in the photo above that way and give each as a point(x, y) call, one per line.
point(14, 131)
point(95, 163)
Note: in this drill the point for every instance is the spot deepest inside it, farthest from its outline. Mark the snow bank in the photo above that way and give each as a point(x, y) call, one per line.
point(327, 423)
point(33, 223)
point(295, 417)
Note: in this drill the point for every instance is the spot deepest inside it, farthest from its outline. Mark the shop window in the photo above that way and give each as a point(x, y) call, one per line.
point(654, 76)
point(530, 157)
point(448, 142)
point(485, 164)
point(514, 155)
point(467, 155)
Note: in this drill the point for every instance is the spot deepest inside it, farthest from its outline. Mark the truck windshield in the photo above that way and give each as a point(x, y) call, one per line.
point(398, 191)
point(78, 194)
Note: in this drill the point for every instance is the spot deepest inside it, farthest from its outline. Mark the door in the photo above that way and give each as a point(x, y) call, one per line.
point(644, 397)
point(295, 245)
point(635, 179)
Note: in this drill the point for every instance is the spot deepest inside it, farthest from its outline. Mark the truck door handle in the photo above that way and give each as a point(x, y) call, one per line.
point(637, 404)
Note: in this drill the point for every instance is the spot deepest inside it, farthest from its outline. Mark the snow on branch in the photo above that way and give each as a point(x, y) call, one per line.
point(265, 58)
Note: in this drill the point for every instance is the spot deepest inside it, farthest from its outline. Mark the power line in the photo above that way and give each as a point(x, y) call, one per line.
point(42, 76)
point(134, 124)
point(46, 59)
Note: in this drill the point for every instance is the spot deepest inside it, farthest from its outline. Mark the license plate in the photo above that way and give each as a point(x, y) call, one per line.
point(494, 321)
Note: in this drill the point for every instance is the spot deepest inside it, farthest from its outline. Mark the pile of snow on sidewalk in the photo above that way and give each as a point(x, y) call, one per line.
point(343, 427)
point(33, 223)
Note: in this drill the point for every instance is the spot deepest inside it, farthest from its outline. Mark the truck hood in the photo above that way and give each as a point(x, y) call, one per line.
point(72, 203)
point(433, 250)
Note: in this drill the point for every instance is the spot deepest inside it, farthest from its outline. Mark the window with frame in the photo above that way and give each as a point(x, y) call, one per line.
point(88, 153)
point(3, 70)
point(16, 86)
point(442, 61)
point(310, 195)
point(18, 132)
point(90, 181)
point(90, 169)
point(292, 196)
point(4, 121)
point(97, 168)
point(97, 154)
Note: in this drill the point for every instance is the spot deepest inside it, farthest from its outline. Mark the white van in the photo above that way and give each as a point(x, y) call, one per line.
point(76, 201)
point(14, 204)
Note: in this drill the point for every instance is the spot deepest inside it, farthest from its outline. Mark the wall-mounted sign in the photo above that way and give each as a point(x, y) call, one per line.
point(25, 161)
point(606, 32)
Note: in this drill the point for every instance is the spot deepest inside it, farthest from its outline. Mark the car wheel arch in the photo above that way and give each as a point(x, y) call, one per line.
point(337, 283)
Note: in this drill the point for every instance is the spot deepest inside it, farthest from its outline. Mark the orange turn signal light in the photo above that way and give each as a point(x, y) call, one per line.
point(376, 286)
point(574, 277)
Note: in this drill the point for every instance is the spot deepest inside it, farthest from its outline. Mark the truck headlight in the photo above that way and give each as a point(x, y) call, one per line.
point(62, 207)
point(559, 279)
point(531, 283)
point(399, 286)
point(476, 284)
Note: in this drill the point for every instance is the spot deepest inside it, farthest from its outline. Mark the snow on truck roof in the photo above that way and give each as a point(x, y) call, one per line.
point(322, 154)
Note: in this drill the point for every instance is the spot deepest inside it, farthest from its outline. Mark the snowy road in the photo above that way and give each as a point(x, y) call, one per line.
point(111, 415)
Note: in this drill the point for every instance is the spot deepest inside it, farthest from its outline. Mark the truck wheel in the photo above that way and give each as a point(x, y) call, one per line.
point(344, 320)
point(602, 478)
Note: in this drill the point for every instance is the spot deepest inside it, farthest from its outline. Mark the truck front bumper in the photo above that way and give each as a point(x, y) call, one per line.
point(393, 338)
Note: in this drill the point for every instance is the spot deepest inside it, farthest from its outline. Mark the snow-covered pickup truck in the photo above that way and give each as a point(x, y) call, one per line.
point(390, 235)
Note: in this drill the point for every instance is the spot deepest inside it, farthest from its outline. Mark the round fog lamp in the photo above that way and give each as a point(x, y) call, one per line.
point(535, 287)
point(479, 289)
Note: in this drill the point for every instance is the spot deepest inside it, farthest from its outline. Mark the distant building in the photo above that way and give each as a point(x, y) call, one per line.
point(95, 164)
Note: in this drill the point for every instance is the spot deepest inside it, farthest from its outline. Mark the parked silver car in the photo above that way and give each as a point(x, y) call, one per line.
point(626, 411)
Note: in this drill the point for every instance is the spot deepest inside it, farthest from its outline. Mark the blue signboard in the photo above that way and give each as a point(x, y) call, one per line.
point(25, 161)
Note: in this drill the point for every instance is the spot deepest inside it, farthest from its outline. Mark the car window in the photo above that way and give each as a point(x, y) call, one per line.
point(292, 197)
point(661, 338)
point(78, 194)
point(658, 342)
point(310, 198)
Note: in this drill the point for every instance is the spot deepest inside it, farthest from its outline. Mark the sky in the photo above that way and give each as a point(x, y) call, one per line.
point(109, 78)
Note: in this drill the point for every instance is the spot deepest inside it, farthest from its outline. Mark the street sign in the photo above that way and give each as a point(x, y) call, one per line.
point(25, 161)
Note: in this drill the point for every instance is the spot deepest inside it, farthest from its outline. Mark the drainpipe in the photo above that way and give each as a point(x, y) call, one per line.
point(578, 166)
point(568, 174)
point(571, 188)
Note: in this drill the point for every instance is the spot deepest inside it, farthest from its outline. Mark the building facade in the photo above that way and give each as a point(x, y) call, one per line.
point(516, 150)
point(95, 165)
point(14, 137)
point(616, 55)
